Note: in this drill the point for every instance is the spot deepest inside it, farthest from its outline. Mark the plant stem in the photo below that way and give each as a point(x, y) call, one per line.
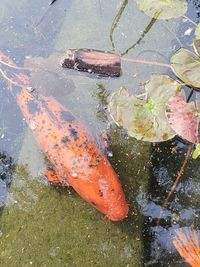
point(146, 30)
point(177, 180)
point(116, 21)
point(146, 62)
point(190, 95)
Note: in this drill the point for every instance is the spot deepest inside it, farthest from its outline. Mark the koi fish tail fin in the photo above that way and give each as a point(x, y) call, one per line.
point(12, 74)
point(187, 243)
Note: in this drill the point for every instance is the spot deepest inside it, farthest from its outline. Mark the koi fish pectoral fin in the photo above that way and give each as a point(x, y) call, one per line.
point(105, 143)
point(53, 177)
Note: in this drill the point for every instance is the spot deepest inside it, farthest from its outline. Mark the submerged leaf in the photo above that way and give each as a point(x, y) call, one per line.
point(145, 118)
point(166, 9)
point(186, 65)
point(182, 119)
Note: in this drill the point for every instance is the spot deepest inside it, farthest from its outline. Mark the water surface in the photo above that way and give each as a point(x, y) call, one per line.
point(43, 225)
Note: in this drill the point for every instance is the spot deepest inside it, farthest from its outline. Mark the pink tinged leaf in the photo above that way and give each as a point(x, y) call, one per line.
point(181, 118)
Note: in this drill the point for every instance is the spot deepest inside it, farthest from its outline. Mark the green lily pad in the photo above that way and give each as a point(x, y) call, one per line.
point(166, 9)
point(186, 65)
point(144, 118)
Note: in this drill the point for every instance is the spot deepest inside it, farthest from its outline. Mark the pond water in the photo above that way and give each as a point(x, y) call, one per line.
point(46, 225)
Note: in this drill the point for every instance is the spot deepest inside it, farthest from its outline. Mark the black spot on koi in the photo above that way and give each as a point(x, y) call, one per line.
point(100, 193)
point(65, 140)
point(56, 146)
point(67, 116)
point(32, 107)
point(73, 133)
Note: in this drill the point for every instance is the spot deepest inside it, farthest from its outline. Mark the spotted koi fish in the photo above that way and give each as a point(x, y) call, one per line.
point(72, 151)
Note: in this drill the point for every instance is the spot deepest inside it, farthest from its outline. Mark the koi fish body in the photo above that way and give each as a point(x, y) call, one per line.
point(76, 158)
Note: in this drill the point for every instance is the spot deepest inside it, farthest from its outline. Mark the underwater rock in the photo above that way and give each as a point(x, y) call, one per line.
point(6, 169)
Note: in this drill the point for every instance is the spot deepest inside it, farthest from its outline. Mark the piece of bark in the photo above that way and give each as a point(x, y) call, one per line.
point(93, 61)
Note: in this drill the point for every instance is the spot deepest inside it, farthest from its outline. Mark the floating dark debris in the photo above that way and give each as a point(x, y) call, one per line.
point(93, 61)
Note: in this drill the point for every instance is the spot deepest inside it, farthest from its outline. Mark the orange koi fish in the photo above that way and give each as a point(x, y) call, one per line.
point(73, 153)
point(187, 242)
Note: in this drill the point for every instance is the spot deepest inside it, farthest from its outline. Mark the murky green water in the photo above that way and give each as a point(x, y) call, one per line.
point(44, 225)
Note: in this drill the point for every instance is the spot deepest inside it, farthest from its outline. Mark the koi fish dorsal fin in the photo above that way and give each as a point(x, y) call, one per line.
point(187, 242)
point(53, 177)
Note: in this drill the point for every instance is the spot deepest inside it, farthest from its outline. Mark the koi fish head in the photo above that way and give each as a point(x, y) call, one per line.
point(100, 187)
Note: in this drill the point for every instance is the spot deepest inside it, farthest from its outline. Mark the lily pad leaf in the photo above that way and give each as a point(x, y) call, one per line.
point(196, 42)
point(161, 87)
point(182, 119)
point(196, 45)
point(197, 32)
point(186, 65)
point(166, 9)
point(145, 118)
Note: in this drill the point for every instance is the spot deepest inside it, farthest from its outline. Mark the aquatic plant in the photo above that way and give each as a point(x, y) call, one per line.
point(154, 118)
point(161, 111)
point(144, 116)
